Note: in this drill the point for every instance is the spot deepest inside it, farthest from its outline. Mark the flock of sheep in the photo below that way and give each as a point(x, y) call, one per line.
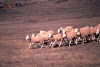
point(65, 36)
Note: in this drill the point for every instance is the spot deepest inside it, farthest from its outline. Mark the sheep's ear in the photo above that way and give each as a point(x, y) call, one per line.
point(60, 27)
point(97, 31)
point(27, 37)
point(91, 27)
point(64, 32)
point(49, 35)
point(76, 29)
point(78, 33)
point(33, 35)
point(64, 35)
point(58, 31)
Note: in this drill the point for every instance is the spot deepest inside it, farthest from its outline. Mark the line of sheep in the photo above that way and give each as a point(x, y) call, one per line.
point(65, 36)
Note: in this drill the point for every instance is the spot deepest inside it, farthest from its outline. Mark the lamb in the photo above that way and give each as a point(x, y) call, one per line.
point(71, 35)
point(55, 38)
point(67, 29)
point(35, 39)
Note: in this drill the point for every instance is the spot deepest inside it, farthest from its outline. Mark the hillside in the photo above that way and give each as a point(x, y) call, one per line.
point(19, 18)
point(65, 9)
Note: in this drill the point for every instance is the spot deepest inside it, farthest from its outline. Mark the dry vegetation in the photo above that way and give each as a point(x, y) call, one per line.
point(16, 23)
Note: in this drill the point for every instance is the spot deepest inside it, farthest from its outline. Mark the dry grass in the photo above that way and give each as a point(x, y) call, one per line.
point(18, 22)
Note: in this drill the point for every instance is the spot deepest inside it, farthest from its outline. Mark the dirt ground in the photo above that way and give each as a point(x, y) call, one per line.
point(18, 22)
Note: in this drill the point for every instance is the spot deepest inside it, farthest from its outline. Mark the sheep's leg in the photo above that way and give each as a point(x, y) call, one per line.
point(39, 45)
point(76, 41)
point(89, 38)
point(94, 37)
point(60, 43)
point(30, 45)
point(53, 44)
point(83, 41)
point(98, 39)
point(69, 43)
point(42, 46)
point(78, 38)
point(65, 41)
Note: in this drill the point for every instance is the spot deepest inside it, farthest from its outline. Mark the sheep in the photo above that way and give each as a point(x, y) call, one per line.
point(35, 39)
point(95, 33)
point(71, 35)
point(44, 34)
point(55, 38)
point(85, 32)
point(98, 35)
point(51, 31)
point(67, 29)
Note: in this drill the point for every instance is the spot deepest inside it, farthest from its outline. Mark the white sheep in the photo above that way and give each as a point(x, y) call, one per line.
point(85, 32)
point(54, 38)
point(71, 35)
point(35, 39)
point(51, 31)
point(42, 32)
point(44, 35)
point(67, 29)
point(46, 32)
point(95, 33)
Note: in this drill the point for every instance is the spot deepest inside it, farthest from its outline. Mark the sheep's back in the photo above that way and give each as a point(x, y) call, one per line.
point(39, 39)
point(57, 36)
point(51, 32)
point(84, 32)
point(68, 28)
point(71, 35)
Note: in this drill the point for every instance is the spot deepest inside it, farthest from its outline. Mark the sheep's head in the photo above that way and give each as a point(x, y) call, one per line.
point(59, 30)
point(64, 35)
point(64, 32)
point(97, 31)
point(78, 33)
point(27, 37)
point(91, 27)
point(76, 29)
point(50, 35)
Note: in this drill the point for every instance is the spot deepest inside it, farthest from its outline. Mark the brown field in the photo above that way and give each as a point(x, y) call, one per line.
point(17, 22)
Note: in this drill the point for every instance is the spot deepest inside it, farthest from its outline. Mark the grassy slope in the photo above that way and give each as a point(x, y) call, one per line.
point(18, 22)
